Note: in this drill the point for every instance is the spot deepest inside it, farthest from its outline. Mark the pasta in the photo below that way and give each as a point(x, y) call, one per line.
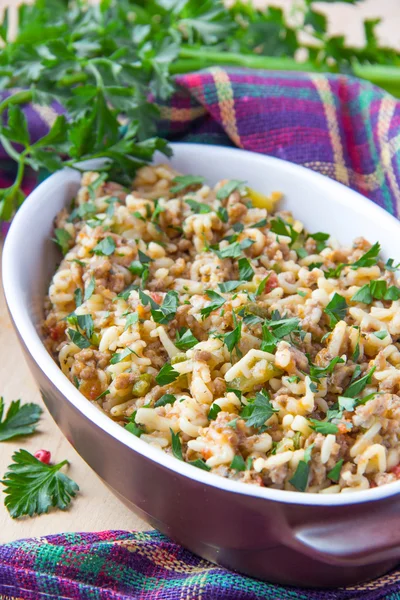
point(218, 329)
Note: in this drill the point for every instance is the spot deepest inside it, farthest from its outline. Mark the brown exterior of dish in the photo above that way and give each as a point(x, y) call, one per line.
point(290, 544)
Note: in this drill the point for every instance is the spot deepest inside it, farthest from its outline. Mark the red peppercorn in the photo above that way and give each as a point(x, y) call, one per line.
point(43, 455)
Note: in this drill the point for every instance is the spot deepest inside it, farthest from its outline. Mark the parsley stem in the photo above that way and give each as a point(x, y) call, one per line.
point(22, 97)
point(209, 58)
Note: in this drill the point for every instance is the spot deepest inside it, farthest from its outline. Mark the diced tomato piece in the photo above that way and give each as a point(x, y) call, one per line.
point(272, 282)
point(396, 471)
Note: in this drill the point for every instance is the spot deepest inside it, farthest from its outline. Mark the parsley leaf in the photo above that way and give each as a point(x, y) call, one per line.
point(280, 227)
point(390, 266)
point(238, 463)
point(85, 322)
point(19, 420)
point(226, 190)
point(216, 302)
point(184, 181)
point(90, 289)
point(185, 339)
point(200, 464)
point(166, 312)
point(78, 297)
point(363, 295)
point(198, 207)
point(246, 272)
point(213, 412)
point(32, 487)
point(393, 293)
point(229, 286)
point(300, 477)
point(318, 372)
point(119, 356)
point(77, 338)
point(166, 374)
point(336, 309)
point(368, 259)
point(334, 272)
point(176, 445)
point(320, 238)
point(164, 400)
point(232, 339)
point(222, 214)
point(357, 386)
point(233, 250)
point(63, 239)
point(133, 427)
point(260, 410)
point(131, 319)
point(106, 247)
point(323, 427)
point(334, 473)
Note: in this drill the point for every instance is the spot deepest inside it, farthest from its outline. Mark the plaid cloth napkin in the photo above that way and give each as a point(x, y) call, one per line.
point(337, 125)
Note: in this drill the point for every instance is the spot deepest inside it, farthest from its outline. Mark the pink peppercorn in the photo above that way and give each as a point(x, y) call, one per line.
point(43, 455)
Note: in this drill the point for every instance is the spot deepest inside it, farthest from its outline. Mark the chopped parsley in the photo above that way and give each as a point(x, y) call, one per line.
point(376, 289)
point(91, 188)
point(324, 427)
point(184, 181)
point(381, 334)
point(336, 309)
point(198, 207)
point(133, 427)
point(229, 286)
point(78, 297)
point(246, 272)
point(62, 238)
point(166, 374)
point(320, 238)
point(118, 356)
point(334, 473)
point(213, 412)
point(280, 227)
point(390, 266)
point(166, 312)
point(300, 477)
point(368, 259)
point(131, 319)
point(334, 272)
point(164, 400)
point(233, 250)
point(226, 190)
point(258, 411)
point(356, 387)
point(261, 286)
point(216, 302)
point(276, 329)
point(78, 339)
point(106, 247)
point(90, 288)
point(232, 339)
point(222, 214)
point(185, 339)
point(319, 372)
point(238, 463)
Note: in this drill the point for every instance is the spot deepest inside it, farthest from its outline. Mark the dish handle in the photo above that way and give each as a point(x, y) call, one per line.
point(358, 540)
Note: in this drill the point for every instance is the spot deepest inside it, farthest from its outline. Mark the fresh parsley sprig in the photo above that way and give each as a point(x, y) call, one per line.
point(33, 487)
point(20, 419)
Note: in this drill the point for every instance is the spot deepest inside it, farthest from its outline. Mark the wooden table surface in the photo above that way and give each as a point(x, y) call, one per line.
point(95, 508)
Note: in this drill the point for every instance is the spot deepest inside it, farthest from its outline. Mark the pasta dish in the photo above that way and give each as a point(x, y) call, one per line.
point(214, 326)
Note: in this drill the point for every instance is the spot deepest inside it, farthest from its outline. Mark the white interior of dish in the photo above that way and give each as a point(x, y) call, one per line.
point(30, 259)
